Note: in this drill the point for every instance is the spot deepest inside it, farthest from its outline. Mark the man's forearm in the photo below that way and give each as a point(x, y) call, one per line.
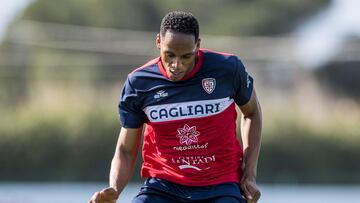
point(251, 126)
point(123, 162)
point(122, 168)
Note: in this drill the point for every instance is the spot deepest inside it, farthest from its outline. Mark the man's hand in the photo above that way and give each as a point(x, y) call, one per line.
point(250, 189)
point(107, 195)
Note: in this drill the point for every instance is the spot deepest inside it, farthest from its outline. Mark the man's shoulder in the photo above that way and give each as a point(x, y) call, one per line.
point(212, 57)
point(217, 53)
point(146, 76)
point(148, 69)
point(148, 65)
point(219, 56)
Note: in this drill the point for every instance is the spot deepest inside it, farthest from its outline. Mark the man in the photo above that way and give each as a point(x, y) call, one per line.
point(186, 98)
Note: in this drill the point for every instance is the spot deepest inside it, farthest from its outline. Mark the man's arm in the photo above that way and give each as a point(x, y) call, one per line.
point(122, 165)
point(251, 125)
point(123, 162)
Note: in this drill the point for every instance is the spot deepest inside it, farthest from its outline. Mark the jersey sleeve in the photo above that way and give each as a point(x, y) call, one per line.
point(130, 111)
point(243, 84)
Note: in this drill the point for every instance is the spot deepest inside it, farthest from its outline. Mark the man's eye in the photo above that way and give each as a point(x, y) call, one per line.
point(170, 55)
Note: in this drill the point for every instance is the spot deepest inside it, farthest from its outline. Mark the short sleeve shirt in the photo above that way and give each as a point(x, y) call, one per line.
point(190, 134)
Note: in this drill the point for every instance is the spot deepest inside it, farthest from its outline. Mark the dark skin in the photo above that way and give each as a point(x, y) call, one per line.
point(178, 54)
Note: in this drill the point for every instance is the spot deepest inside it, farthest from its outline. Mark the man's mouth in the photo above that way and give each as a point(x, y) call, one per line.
point(175, 73)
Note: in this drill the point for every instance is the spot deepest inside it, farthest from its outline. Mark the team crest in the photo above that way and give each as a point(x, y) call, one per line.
point(209, 85)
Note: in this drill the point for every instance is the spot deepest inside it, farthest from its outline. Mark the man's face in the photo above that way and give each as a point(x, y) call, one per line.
point(178, 53)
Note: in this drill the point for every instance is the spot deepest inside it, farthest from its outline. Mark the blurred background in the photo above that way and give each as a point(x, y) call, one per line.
point(63, 63)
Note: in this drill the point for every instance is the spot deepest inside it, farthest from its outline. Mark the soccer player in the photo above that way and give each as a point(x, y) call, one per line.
point(186, 100)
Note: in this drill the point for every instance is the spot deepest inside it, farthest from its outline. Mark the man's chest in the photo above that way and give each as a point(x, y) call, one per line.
point(200, 88)
point(195, 98)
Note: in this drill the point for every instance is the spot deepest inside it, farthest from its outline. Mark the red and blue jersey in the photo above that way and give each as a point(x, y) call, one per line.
point(190, 134)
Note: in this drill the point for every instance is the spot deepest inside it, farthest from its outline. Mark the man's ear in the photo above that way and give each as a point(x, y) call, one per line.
point(158, 41)
point(198, 44)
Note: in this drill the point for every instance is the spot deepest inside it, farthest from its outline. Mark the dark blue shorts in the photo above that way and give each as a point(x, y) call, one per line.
point(157, 190)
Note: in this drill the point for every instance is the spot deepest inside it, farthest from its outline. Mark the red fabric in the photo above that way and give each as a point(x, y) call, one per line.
point(213, 145)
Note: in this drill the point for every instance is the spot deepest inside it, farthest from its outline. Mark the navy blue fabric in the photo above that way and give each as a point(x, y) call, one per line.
point(243, 84)
point(138, 92)
point(156, 190)
point(130, 108)
point(154, 197)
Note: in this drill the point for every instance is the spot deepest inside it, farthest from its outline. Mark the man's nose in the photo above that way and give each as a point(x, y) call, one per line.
point(176, 63)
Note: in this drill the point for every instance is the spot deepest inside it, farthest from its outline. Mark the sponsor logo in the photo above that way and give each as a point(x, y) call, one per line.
point(185, 110)
point(209, 85)
point(248, 81)
point(187, 134)
point(160, 94)
point(194, 162)
point(190, 147)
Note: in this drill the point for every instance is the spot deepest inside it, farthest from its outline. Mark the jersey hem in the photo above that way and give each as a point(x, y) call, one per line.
point(192, 184)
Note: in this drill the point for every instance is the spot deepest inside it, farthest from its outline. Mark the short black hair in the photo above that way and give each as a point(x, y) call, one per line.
point(181, 22)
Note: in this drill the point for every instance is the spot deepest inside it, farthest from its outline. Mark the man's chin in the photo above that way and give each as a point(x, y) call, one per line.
point(175, 78)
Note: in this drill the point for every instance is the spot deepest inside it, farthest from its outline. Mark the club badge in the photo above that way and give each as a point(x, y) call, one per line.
point(209, 85)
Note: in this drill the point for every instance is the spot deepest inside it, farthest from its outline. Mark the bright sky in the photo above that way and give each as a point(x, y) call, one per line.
point(323, 36)
point(9, 9)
